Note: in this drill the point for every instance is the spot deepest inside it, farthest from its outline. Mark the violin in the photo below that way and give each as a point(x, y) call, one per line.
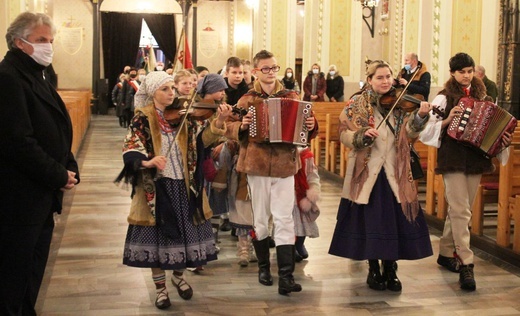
point(199, 111)
point(408, 102)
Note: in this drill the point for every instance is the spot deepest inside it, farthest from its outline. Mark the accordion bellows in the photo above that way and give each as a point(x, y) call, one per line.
point(482, 125)
point(279, 120)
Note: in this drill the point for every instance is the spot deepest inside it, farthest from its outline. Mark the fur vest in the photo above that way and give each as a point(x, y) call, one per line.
point(453, 156)
point(278, 160)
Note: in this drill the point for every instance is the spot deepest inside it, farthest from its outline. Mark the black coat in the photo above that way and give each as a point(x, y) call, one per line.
point(36, 139)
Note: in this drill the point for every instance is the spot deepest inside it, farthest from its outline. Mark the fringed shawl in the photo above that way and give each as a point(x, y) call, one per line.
point(360, 114)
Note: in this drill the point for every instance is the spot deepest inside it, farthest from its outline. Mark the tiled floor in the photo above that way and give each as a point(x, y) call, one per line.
point(85, 275)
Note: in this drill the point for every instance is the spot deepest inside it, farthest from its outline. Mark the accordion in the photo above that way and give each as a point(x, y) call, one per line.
point(279, 120)
point(481, 125)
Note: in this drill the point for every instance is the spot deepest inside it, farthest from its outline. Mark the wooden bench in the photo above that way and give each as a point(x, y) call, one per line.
point(332, 143)
point(509, 200)
point(319, 144)
point(436, 204)
point(487, 192)
point(77, 103)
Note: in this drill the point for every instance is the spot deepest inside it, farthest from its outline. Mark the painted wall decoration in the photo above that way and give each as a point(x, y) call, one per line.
point(208, 41)
point(71, 35)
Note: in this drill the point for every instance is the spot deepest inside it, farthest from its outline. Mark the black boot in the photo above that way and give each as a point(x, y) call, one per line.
point(375, 280)
point(285, 258)
point(264, 265)
point(392, 281)
point(300, 247)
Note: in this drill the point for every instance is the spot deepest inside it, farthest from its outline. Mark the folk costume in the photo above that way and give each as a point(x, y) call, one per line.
point(168, 222)
point(306, 211)
point(379, 216)
point(461, 167)
point(270, 170)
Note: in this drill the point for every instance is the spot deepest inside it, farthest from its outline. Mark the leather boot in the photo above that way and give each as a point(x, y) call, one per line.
point(389, 274)
point(264, 265)
point(243, 251)
point(375, 280)
point(285, 258)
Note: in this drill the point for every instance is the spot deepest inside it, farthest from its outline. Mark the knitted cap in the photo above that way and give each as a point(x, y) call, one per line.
point(211, 83)
point(150, 84)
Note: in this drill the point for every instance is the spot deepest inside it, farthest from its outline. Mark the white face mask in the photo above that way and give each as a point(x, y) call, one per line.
point(141, 77)
point(42, 52)
point(332, 73)
point(289, 75)
point(159, 68)
point(315, 71)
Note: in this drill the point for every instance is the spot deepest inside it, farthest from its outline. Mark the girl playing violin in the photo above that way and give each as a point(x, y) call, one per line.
point(379, 217)
point(168, 226)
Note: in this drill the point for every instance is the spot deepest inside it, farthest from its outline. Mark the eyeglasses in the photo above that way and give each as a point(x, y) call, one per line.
point(266, 70)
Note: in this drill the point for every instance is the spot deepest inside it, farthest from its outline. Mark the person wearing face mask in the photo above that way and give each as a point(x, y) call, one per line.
point(315, 85)
point(130, 87)
point(289, 82)
point(158, 67)
point(38, 166)
point(420, 83)
point(335, 85)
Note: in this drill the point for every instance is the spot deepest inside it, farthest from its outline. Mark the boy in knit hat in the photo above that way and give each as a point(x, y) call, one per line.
point(212, 87)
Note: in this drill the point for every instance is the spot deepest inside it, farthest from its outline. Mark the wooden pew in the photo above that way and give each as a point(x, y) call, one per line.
point(78, 106)
point(436, 204)
point(509, 200)
point(319, 145)
point(487, 192)
point(332, 142)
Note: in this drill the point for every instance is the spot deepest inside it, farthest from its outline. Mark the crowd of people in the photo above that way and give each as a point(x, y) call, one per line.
point(189, 160)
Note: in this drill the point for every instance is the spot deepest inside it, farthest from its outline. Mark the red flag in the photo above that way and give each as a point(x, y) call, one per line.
point(187, 63)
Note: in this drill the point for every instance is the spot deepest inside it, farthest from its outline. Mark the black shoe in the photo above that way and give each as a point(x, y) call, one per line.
point(300, 247)
point(265, 277)
point(390, 276)
point(297, 257)
point(375, 280)
point(162, 300)
point(272, 244)
point(226, 226)
point(178, 283)
point(452, 264)
point(285, 258)
point(287, 285)
point(467, 278)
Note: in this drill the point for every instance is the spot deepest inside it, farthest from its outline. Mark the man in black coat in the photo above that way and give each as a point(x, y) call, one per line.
point(36, 163)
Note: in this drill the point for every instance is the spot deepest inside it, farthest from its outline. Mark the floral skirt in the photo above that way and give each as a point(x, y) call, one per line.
point(379, 229)
point(148, 247)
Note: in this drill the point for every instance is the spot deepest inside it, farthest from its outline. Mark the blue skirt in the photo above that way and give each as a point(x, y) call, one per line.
point(379, 229)
point(148, 247)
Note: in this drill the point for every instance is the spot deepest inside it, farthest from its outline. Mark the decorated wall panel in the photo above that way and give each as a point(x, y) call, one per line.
point(412, 28)
point(278, 33)
point(340, 30)
point(466, 28)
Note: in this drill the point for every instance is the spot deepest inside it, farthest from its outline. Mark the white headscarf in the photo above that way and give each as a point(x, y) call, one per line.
point(150, 84)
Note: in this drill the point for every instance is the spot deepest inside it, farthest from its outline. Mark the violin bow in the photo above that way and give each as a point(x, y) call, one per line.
point(399, 97)
point(190, 100)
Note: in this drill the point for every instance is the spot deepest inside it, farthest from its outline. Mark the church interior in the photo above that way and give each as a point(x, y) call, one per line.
point(96, 39)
